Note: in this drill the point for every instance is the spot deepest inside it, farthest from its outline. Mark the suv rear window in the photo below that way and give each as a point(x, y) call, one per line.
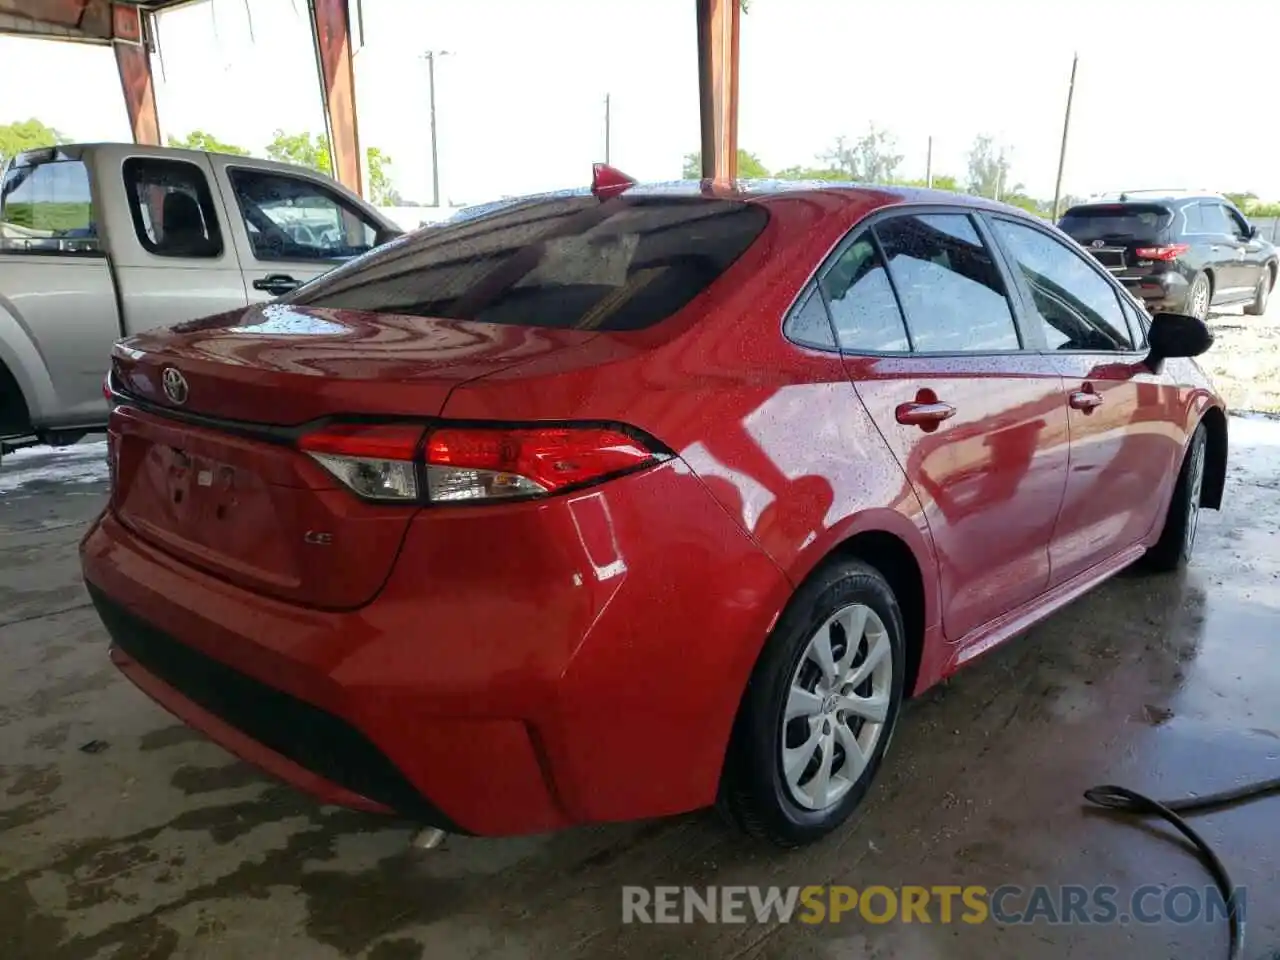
point(570, 262)
point(1134, 222)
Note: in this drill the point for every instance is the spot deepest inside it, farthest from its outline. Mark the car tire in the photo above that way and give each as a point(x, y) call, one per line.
point(800, 761)
point(1261, 294)
point(1177, 540)
point(1199, 296)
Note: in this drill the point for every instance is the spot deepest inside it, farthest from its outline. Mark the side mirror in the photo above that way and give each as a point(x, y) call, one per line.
point(1176, 335)
point(1251, 232)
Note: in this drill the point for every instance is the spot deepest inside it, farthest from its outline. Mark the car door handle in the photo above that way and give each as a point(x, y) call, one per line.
point(1084, 400)
point(924, 414)
point(277, 284)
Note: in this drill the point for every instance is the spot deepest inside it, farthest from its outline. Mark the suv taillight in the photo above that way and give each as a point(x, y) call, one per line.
point(1171, 251)
point(399, 463)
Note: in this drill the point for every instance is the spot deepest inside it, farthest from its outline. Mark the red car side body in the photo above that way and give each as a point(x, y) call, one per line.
point(521, 667)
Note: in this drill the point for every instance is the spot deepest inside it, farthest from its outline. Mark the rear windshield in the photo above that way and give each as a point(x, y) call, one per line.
point(570, 262)
point(1112, 222)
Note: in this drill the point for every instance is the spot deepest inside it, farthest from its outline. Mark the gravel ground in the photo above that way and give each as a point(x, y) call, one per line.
point(1245, 359)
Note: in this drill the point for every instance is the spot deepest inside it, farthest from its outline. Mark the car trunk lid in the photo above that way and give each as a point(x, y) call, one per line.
point(208, 468)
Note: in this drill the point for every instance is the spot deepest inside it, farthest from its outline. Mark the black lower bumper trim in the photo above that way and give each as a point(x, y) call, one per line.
point(309, 736)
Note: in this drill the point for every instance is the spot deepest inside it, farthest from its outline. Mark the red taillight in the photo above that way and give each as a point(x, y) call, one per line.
point(468, 464)
point(382, 441)
point(1171, 251)
point(106, 387)
point(380, 461)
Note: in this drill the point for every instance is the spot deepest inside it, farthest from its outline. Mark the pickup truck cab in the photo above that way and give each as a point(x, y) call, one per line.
point(101, 241)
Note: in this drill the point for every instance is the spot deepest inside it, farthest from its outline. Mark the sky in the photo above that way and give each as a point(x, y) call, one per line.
point(1172, 94)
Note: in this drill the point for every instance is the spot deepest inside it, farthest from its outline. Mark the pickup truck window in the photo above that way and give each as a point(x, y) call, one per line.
point(46, 208)
point(172, 208)
point(290, 218)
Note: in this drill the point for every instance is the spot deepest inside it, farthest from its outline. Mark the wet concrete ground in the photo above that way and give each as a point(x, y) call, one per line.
point(160, 846)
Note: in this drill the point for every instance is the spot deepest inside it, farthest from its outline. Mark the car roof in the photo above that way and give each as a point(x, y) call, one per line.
point(1152, 196)
point(766, 191)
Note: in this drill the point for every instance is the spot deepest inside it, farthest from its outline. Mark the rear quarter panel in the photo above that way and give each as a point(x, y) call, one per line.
point(775, 431)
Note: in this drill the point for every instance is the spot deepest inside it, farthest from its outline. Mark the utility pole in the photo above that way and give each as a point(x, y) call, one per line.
point(430, 57)
point(607, 130)
point(928, 166)
point(1066, 127)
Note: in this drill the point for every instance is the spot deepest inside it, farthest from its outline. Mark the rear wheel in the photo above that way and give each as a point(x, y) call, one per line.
point(1198, 297)
point(820, 710)
point(14, 418)
point(1261, 294)
point(1177, 540)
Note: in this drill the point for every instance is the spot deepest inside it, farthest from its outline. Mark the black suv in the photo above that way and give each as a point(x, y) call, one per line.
point(1180, 253)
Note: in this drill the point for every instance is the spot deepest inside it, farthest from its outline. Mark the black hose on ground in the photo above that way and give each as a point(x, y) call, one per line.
point(1123, 800)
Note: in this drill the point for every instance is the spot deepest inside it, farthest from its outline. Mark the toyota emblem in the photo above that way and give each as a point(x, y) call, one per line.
point(175, 385)
point(1096, 243)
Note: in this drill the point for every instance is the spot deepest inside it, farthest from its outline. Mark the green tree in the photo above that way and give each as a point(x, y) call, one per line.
point(381, 192)
point(312, 151)
point(872, 158)
point(940, 182)
point(989, 169)
point(749, 166)
point(811, 173)
point(1245, 201)
point(303, 149)
point(199, 140)
point(26, 135)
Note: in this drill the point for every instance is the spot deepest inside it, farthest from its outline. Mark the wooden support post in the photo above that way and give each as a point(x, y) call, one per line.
point(718, 87)
point(133, 61)
point(331, 28)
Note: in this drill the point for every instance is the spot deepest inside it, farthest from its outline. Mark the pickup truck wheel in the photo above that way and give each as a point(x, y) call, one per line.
point(15, 420)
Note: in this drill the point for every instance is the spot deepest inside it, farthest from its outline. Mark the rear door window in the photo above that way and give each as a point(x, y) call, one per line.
point(571, 262)
point(864, 310)
point(1132, 223)
point(809, 324)
point(948, 284)
point(1215, 220)
point(172, 208)
point(47, 208)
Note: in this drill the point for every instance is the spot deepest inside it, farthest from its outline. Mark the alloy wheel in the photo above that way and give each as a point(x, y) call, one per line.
point(836, 706)
point(1199, 298)
point(1195, 481)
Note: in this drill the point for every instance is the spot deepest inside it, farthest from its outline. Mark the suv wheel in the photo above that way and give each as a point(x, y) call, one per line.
point(1198, 297)
point(820, 709)
point(1261, 294)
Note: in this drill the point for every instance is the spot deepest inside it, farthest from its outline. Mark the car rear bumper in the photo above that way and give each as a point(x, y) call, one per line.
point(1164, 292)
point(524, 668)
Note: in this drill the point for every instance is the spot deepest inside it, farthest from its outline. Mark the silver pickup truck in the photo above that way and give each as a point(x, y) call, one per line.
point(100, 241)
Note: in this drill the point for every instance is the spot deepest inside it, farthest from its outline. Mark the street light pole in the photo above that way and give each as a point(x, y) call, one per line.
point(430, 57)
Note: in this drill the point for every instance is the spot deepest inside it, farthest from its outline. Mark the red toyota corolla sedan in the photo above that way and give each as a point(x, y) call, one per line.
point(633, 500)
